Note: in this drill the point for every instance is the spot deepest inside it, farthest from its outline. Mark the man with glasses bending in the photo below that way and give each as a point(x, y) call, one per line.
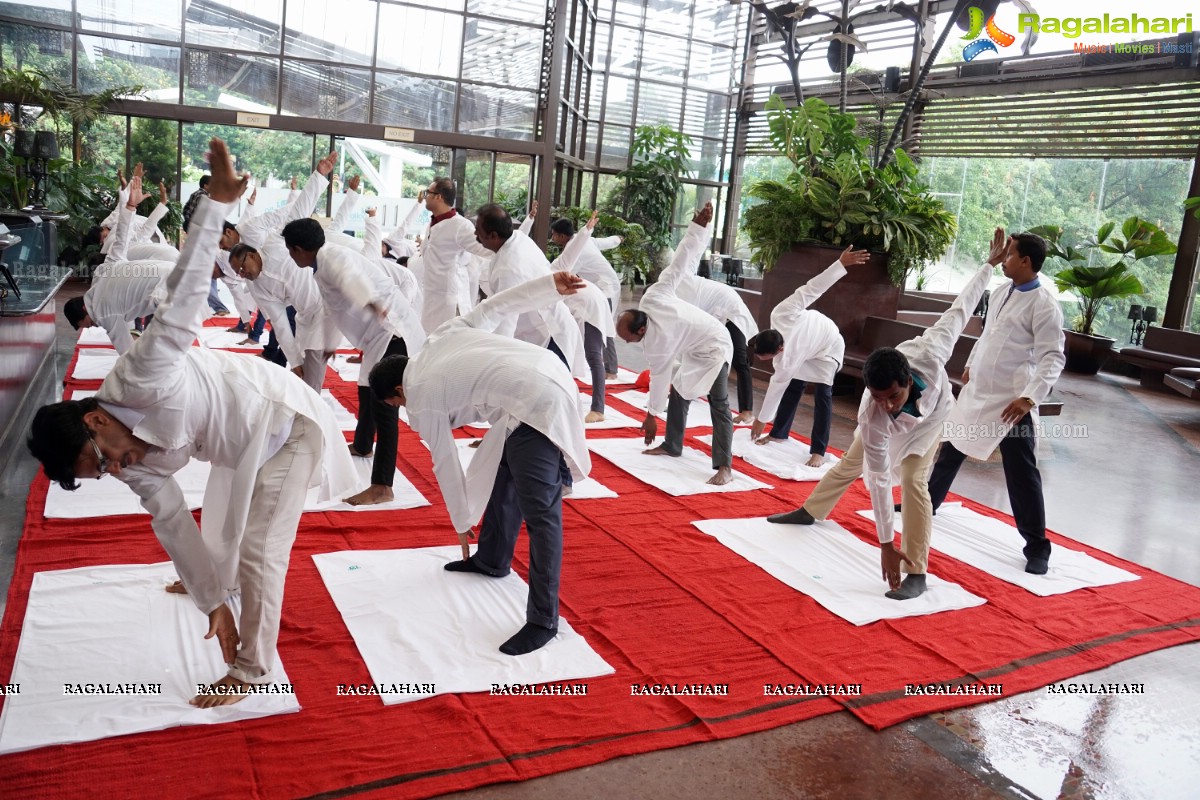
point(441, 267)
point(268, 437)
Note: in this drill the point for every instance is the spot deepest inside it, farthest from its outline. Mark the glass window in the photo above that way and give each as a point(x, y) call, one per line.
point(531, 11)
point(706, 114)
point(419, 40)
point(628, 12)
point(412, 102)
point(315, 90)
point(342, 31)
point(23, 46)
point(499, 53)
point(716, 21)
point(600, 47)
point(157, 20)
point(619, 101)
point(659, 104)
point(249, 25)
point(105, 63)
point(669, 15)
point(614, 150)
point(710, 67)
point(596, 96)
point(487, 111)
point(447, 5)
point(664, 56)
point(272, 157)
point(512, 178)
point(477, 188)
point(154, 143)
point(213, 79)
point(104, 143)
point(626, 51)
point(54, 12)
point(706, 159)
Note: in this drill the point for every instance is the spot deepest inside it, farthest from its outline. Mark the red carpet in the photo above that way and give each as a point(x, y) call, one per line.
point(660, 601)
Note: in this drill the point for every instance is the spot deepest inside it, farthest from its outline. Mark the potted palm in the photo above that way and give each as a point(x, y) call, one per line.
point(1094, 285)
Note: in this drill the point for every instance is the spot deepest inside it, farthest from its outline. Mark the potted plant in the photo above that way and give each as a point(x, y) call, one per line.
point(1093, 285)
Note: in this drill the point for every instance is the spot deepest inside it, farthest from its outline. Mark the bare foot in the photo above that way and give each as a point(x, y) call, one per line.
point(246, 342)
point(372, 495)
point(176, 588)
point(568, 490)
point(356, 359)
point(475, 443)
point(814, 460)
point(658, 451)
point(221, 313)
point(743, 418)
point(225, 692)
point(610, 376)
point(763, 440)
point(593, 416)
point(357, 454)
point(724, 475)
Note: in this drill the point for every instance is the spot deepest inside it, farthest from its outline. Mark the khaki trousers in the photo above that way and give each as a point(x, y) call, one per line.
point(917, 514)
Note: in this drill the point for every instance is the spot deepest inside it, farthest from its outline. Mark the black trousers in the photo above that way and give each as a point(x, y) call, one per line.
point(1020, 473)
point(741, 367)
point(379, 424)
point(822, 414)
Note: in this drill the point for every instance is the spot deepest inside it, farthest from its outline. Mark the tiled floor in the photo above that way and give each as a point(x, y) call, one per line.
point(1125, 482)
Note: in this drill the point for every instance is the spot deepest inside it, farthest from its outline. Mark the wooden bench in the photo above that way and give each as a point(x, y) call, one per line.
point(1184, 380)
point(880, 332)
point(1163, 350)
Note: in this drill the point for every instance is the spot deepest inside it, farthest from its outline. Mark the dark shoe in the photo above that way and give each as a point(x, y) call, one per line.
point(797, 517)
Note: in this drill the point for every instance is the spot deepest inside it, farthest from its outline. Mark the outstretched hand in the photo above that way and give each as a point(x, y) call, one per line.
point(352, 183)
point(325, 165)
point(121, 178)
point(567, 282)
point(999, 247)
point(533, 210)
point(292, 183)
point(852, 258)
point(371, 212)
point(225, 186)
point(162, 192)
point(253, 196)
point(136, 195)
point(704, 215)
point(591, 223)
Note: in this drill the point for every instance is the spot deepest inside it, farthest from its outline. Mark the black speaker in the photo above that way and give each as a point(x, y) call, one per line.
point(891, 80)
point(46, 145)
point(24, 143)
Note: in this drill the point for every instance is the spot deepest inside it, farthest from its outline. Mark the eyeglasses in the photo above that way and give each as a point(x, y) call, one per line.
point(101, 461)
point(431, 191)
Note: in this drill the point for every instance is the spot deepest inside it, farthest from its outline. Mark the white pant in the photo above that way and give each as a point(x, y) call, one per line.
point(279, 491)
point(314, 369)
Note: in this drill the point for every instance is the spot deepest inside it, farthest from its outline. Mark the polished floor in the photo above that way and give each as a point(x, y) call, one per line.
point(1122, 477)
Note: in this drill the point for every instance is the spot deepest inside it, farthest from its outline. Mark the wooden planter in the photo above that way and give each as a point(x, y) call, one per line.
point(1087, 354)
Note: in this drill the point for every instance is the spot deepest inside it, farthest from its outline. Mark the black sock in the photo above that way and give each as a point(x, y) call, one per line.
point(797, 517)
point(912, 586)
point(529, 638)
point(465, 566)
point(1037, 566)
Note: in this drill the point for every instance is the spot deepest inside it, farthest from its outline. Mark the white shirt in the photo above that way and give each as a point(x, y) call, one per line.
point(256, 231)
point(466, 374)
point(813, 348)
point(887, 440)
point(121, 292)
point(281, 284)
point(721, 301)
point(684, 347)
point(151, 251)
point(224, 408)
point(1020, 354)
point(442, 264)
point(349, 282)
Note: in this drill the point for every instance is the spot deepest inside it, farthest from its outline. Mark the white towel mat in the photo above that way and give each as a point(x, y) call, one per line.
point(94, 364)
point(698, 414)
point(687, 474)
point(115, 625)
point(406, 495)
point(832, 566)
point(225, 339)
point(994, 547)
point(586, 489)
point(94, 335)
point(345, 419)
point(783, 457)
point(347, 371)
point(415, 623)
point(624, 376)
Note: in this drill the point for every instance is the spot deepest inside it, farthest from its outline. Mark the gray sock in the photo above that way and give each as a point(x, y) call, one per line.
point(797, 517)
point(912, 586)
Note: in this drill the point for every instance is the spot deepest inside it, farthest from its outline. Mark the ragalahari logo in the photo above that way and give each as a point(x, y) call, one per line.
point(995, 36)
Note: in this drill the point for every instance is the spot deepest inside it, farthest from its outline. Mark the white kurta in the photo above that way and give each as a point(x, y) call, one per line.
point(139, 228)
point(151, 251)
point(517, 262)
point(685, 347)
point(121, 292)
point(229, 409)
point(813, 348)
point(1020, 354)
point(467, 374)
point(889, 440)
point(442, 267)
point(721, 301)
point(281, 284)
point(259, 228)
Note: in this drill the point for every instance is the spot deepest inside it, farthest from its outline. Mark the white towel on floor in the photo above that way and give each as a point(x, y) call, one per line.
point(95, 335)
point(416, 623)
point(783, 457)
point(994, 547)
point(586, 489)
point(225, 339)
point(94, 363)
point(612, 417)
point(115, 625)
point(406, 495)
point(348, 371)
point(832, 566)
point(687, 474)
point(698, 414)
point(624, 376)
point(108, 497)
point(345, 419)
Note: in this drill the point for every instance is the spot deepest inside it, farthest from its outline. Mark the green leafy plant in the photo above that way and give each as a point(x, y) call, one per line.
point(647, 191)
point(1093, 285)
point(631, 259)
point(836, 196)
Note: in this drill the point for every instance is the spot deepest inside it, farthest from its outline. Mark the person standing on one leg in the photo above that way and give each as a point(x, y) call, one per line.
point(806, 347)
point(900, 422)
point(688, 352)
point(1011, 370)
point(531, 404)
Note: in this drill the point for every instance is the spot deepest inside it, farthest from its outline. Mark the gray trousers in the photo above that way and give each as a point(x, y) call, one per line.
point(722, 422)
point(528, 487)
point(610, 350)
point(593, 349)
